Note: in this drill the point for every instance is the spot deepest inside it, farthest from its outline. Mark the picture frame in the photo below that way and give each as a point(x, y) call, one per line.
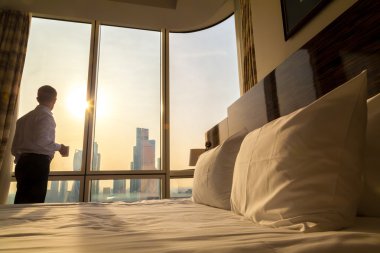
point(296, 13)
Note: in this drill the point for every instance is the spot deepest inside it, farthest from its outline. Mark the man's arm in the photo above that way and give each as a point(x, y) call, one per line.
point(45, 134)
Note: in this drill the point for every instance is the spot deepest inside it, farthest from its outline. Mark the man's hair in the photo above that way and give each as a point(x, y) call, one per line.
point(46, 93)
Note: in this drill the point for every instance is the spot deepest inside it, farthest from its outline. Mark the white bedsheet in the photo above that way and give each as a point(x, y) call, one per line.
point(164, 226)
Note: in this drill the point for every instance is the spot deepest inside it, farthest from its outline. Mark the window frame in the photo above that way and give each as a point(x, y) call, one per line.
point(85, 175)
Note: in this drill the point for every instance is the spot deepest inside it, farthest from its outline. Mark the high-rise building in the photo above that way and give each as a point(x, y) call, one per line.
point(77, 164)
point(63, 194)
point(119, 186)
point(144, 159)
point(95, 166)
point(52, 193)
point(144, 151)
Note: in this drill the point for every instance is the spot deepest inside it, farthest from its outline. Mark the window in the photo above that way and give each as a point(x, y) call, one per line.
point(127, 128)
point(115, 142)
point(203, 83)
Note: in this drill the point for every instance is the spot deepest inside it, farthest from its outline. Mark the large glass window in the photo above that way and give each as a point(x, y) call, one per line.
point(128, 109)
point(124, 129)
point(203, 83)
point(58, 55)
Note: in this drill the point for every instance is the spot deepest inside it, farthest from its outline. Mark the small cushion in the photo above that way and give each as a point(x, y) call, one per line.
point(213, 173)
point(302, 171)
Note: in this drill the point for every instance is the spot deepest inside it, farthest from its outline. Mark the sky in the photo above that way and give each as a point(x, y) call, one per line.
point(203, 83)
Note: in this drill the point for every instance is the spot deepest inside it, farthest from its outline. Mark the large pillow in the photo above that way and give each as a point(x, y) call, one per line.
point(302, 171)
point(213, 173)
point(370, 199)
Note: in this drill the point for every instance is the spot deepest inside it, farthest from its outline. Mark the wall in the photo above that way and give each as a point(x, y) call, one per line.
point(270, 46)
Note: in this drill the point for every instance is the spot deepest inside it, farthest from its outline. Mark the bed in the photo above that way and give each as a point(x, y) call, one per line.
point(164, 226)
point(325, 100)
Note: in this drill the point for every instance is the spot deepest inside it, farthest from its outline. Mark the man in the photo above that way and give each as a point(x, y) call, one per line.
point(34, 146)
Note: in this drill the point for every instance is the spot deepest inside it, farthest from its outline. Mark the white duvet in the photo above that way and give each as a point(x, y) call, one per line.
point(164, 226)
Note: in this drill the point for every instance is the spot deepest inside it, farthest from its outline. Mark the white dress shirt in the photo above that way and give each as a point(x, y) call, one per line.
point(35, 133)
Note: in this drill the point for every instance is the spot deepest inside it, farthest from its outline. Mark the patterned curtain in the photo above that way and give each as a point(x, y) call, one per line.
point(247, 47)
point(14, 31)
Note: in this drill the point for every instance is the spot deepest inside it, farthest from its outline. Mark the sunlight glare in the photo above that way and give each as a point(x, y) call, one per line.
point(76, 101)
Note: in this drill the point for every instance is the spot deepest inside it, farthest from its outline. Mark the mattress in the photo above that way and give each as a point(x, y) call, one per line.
point(164, 226)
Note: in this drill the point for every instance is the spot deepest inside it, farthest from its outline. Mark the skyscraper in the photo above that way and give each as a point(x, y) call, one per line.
point(119, 186)
point(144, 151)
point(144, 159)
point(77, 164)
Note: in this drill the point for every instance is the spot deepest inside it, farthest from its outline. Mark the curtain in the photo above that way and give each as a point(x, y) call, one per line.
point(14, 32)
point(246, 45)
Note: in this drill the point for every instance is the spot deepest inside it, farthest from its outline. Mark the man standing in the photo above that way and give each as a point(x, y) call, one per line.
point(34, 147)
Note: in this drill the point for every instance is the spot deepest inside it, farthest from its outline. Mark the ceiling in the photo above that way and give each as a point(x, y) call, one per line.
point(174, 15)
point(169, 4)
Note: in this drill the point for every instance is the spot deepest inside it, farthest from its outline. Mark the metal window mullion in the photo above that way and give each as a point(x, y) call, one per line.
point(165, 117)
point(124, 176)
point(66, 173)
point(90, 115)
point(124, 172)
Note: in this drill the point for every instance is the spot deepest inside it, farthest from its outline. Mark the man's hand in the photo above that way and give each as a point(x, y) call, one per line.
point(64, 150)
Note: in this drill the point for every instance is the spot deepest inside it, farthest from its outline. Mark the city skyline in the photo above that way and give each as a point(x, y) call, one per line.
point(114, 189)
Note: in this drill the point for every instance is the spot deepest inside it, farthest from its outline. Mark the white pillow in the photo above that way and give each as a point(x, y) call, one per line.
point(213, 173)
point(370, 199)
point(302, 171)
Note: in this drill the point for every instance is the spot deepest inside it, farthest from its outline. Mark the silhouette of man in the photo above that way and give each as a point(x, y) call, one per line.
point(34, 147)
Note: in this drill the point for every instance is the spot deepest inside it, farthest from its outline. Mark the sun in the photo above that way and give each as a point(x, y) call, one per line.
point(76, 101)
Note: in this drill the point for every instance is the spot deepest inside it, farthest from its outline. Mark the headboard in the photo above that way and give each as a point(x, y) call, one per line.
point(339, 52)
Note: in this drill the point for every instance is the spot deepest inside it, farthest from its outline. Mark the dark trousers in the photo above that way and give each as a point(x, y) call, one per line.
point(32, 173)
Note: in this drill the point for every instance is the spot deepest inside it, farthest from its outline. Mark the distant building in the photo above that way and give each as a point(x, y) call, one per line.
point(119, 186)
point(77, 164)
point(144, 151)
point(106, 191)
point(144, 154)
point(52, 193)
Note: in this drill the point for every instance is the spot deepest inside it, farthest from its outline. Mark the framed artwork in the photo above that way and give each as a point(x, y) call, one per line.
point(296, 13)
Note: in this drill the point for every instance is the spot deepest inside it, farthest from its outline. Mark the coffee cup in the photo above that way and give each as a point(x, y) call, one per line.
point(65, 151)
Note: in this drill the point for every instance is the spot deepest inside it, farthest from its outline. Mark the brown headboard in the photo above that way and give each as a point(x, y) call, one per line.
point(339, 52)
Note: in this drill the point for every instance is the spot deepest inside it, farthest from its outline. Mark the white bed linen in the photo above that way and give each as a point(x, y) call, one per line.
point(164, 226)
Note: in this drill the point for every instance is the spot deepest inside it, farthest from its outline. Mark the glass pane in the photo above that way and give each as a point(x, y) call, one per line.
point(128, 190)
point(63, 191)
point(58, 191)
point(181, 187)
point(58, 55)
point(203, 83)
point(127, 129)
